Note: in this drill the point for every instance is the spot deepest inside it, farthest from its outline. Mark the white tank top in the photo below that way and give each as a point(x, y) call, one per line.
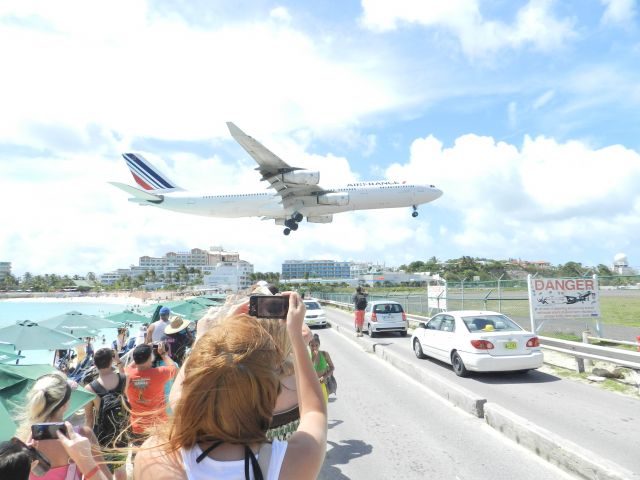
point(209, 468)
point(158, 331)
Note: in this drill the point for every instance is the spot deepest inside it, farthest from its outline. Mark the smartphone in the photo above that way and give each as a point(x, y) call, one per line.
point(47, 431)
point(268, 306)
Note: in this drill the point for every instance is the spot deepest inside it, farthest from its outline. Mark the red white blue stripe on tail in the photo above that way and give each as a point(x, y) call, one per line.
point(147, 176)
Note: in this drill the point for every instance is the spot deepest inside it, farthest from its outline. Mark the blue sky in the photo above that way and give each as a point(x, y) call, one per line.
point(523, 112)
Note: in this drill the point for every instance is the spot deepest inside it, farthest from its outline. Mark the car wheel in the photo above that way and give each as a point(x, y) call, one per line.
point(403, 333)
point(417, 349)
point(458, 365)
point(370, 331)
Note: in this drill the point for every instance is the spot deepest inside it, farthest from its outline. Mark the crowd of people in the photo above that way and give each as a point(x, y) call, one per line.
point(236, 397)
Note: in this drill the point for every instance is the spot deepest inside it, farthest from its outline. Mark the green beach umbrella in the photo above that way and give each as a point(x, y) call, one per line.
point(28, 335)
point(15, 383)
point(127, 316)
point(190, 309)
point(77, 323)
point(7, 353)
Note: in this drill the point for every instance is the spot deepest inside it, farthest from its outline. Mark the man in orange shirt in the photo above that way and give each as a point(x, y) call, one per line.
point(145, 388)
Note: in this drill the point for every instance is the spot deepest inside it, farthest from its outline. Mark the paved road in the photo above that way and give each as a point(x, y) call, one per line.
point(383, 425)
point(604, 422)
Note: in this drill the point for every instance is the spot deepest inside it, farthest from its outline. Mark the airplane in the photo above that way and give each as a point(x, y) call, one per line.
point(296, 194)
point(582, 297)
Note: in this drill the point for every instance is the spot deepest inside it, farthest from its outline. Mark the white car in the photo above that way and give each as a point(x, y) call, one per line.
point(315, 315)
point(384, 316)
point(477, 341)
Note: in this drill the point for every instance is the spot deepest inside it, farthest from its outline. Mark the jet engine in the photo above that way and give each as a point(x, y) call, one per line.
point(338, 199)
point(320, 219)
point(301, 177)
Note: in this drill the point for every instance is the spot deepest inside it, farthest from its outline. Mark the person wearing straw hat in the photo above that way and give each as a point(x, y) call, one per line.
point(179, 338)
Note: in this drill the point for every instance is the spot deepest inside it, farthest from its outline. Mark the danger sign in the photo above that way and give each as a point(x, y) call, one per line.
point(564, 298)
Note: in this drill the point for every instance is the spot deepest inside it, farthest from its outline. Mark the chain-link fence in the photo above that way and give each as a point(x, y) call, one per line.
point(619, 303)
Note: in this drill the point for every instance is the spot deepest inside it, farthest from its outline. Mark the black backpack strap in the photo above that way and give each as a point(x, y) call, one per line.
point(97, 388)
point(122, 381)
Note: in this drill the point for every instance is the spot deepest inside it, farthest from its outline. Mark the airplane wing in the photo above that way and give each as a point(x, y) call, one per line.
point(275, 170)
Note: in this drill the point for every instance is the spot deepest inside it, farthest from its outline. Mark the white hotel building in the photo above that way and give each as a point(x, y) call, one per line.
point(222, 270)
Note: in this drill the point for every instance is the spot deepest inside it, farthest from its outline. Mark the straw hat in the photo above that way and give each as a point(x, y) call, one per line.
point(176, 324)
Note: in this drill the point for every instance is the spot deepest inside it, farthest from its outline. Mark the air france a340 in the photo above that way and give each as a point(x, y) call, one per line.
point(296, 193)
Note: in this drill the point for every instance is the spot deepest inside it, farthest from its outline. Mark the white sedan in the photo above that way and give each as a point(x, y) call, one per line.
point(315, 315)
point(477, 341)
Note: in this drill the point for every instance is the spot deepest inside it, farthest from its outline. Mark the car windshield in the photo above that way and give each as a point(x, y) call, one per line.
point(388, 308)
point(312, 305)
point(490, 323)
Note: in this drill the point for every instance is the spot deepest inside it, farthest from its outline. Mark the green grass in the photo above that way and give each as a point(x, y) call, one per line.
point(620, 310)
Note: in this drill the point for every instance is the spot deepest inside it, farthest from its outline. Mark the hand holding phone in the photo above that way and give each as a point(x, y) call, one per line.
point(47, 431)
point(268, 306)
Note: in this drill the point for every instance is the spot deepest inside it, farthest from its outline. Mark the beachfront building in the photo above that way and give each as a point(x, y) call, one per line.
point(297, 269)
point(228, 276)
point(5, 269)
point(220, 269)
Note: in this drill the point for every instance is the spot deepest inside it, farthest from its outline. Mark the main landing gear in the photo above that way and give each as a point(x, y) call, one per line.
point(292, 223)
point(414, 214)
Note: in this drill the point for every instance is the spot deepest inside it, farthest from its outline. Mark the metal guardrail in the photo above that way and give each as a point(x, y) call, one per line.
point(617, 356)
point(581, 351)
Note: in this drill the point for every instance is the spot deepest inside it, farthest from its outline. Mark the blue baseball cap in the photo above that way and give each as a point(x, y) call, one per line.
point(165, 311)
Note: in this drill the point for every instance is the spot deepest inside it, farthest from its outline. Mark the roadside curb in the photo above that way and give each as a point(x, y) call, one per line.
point(549, 446)
point(554, 449)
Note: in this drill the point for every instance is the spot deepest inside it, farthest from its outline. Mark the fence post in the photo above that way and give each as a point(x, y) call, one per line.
point(580, 364)
point(585, 339)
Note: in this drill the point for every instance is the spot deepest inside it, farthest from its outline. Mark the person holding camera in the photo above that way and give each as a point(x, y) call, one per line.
point(47, 402)
point(225, 405)
point(145, 387)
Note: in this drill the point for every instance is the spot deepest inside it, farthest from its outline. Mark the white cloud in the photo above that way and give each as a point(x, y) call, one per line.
point(542, 196)
point(535, 24)
point(280, 13)
point(143, 75)
point(619, 11)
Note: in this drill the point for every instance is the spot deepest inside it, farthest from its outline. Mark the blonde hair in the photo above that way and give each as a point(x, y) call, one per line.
point(230, 386)
point(43, 398)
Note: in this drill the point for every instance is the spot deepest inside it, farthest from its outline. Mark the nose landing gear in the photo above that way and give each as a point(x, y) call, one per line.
point(414, 214)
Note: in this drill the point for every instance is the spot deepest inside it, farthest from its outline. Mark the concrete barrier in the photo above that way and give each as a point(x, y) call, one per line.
point(551, 447)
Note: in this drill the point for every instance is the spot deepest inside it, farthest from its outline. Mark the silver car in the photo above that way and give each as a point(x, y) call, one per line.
point(385, 316)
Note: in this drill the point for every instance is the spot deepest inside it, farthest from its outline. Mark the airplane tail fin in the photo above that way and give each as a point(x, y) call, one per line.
point(147, 176)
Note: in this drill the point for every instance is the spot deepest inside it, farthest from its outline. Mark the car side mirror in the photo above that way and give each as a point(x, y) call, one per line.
point(422, 325)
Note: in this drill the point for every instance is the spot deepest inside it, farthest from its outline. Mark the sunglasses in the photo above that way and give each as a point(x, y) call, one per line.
point(43, 465)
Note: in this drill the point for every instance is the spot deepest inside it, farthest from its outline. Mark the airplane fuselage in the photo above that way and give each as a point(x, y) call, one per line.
point(361, 196)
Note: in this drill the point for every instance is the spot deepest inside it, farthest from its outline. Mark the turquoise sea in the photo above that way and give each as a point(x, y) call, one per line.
point(17, 310)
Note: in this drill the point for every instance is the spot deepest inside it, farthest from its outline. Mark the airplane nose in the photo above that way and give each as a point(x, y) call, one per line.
point(436, 193)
